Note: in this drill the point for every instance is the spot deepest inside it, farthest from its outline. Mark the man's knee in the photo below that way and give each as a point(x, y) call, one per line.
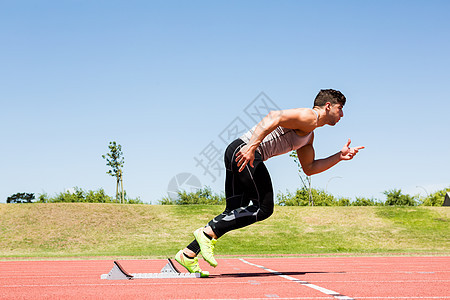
point(266, 207)
point(264, 213)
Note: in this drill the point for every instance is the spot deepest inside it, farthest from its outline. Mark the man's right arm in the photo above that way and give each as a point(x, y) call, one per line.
point(268, 124)
point(264, 127)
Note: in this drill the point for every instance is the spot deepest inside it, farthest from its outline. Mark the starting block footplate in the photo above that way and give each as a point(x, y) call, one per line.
point(168, 271)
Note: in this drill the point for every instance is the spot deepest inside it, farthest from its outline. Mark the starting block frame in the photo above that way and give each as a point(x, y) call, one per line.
point(168, 271)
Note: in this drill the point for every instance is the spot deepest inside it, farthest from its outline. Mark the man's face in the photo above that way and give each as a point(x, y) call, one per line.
point(335, 113)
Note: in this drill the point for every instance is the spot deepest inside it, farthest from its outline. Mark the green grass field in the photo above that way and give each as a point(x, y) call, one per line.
point(100, 230)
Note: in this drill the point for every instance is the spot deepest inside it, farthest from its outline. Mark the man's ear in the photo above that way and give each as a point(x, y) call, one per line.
point(328, 106)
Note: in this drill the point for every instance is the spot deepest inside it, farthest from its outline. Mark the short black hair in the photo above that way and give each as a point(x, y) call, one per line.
point(329, 95)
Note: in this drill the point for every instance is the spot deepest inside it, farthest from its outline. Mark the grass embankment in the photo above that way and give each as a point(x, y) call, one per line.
point(78, 229)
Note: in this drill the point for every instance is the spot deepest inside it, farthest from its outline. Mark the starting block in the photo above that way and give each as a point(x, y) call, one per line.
point(168, 271)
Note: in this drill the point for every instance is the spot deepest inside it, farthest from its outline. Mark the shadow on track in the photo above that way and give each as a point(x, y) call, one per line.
point(267, 274)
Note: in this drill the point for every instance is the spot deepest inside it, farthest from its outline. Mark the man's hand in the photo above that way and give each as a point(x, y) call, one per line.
point(348, 153)
point(245, 156)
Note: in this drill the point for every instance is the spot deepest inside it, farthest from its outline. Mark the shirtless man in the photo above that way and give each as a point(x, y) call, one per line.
point(248, 187)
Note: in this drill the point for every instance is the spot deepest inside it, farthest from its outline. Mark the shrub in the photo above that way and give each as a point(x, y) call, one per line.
point(343, 202)
point(79, 195)
point(395, 197)
point(136, 200)
point(361, 201)
point(96, 197)
point(166, 201)
point(201, 196)
point(301, 198)
point(43, 198)
point(289, 199)
point(21, 198)
point(436, 199)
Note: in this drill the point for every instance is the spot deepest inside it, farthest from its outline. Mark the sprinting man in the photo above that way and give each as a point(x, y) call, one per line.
point(248, 187)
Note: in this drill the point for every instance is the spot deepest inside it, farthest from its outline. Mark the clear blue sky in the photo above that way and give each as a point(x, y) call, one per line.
point(166, 78)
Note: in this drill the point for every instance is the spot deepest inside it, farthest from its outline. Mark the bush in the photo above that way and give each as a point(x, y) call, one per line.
point(43, 198)
point(320, 198)
point(21, 198)
point(201, 196)
point(289, 199)
point(395, 197)
point(79, 195)
point(436, 199)
point(166, 201)
point(343, 202)
point(301, 198)
point(136, 200)
point(361, 201)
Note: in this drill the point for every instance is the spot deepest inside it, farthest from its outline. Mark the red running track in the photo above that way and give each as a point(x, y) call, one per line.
point(250, 278)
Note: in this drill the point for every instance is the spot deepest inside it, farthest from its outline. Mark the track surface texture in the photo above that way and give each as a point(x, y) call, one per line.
point(247, 278)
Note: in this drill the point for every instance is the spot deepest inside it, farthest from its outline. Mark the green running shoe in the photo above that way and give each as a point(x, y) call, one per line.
point(206, 246)
point(191, 264)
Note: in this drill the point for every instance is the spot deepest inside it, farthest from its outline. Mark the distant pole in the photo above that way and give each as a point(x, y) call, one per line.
point(335, 177)
point(426, 192)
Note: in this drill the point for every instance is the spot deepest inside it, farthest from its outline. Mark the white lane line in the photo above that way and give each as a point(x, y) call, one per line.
point(279, 298)
point(409, 297)
point(327, 297)
point(328, 292)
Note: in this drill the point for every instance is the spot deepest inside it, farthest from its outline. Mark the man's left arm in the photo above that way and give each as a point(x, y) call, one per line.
point(311, 166)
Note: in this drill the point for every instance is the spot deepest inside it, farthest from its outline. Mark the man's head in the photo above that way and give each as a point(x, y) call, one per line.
point(331, 102)
point(332, 96)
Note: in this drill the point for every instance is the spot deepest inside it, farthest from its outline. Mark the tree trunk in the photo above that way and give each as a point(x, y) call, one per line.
point(121, 186)
point(117, 189)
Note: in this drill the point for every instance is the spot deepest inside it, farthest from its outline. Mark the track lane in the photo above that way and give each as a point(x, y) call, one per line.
point(354, 277)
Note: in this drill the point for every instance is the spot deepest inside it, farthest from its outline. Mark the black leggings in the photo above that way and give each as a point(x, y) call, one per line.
point(249, 194)
point(251, 185)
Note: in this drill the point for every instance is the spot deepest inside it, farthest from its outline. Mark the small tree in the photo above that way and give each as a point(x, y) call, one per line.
point(21, 198)
point(115, 160)
point(306, 180)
